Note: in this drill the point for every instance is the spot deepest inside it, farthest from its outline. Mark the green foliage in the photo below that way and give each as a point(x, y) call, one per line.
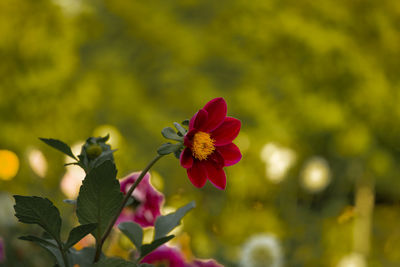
point(48, 245)
point(170, 133)
point(59, 145)
point(78, 233)
point(40, 211)
point(99, 197)
point(168, 148)
point(114, 262)
point(147, 248)
point(134, 232)
point(165, 224)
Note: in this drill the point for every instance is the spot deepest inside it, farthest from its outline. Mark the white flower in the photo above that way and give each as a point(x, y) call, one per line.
point(262, 251)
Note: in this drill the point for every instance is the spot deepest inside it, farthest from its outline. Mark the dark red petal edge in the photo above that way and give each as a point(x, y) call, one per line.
point(230, 153)
point(197, 174)
point(217, 110)
point(186, 158)
point(227, 131)
point(215, 174)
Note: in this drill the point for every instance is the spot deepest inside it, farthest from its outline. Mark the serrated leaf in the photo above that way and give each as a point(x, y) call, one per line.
point(114, 262)
point(99, 197)
point(48, 245)
point(180, 128)
point(170, 133)
point(59, 145)
point(78, 233)
point(133, 231)
point(168, 148)
point(147, 248)
point(41, 211)
point(165, 224)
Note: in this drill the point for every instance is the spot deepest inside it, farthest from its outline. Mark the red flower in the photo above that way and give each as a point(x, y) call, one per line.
point(209, 145)
point(165, 256)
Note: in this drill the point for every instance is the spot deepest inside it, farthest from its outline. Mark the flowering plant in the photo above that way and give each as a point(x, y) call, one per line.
point(204, 149)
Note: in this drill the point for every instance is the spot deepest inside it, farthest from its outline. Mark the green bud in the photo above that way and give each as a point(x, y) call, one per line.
point(93, 151)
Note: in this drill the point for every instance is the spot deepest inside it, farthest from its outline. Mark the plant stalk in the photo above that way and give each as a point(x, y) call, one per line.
point(100, 243)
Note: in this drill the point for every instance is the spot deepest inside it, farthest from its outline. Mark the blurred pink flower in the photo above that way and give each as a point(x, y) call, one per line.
point(147, 201)
point(165, 256)
point(204, 263)
point(2, 251)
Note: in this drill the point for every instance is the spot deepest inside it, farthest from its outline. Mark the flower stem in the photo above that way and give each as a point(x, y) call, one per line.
point(63, 254)
point(100, 243)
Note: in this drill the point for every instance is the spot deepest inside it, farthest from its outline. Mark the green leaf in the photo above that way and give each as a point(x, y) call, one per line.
point(41, 211)
point(168, 148)
point(59, 145)
point(49, 245)
point(133, 231)
point(83, 257)
point(147, 248)
point(99, 197)
point(114, 262)
point(165, 224)
point(185, 122)
point(180, 129)
point(78, 233)
point(170, 133)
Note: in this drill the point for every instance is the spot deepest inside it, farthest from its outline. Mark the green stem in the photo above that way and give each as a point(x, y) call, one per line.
point(100, 243)
point(64, 256)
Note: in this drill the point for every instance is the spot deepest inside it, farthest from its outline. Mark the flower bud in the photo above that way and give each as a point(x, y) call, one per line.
point(93, 151)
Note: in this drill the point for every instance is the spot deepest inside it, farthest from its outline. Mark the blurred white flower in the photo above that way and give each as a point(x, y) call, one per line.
point(278, 160)
point(38, 162)
point(353, 260)
point(262, 251)
point(315, 175)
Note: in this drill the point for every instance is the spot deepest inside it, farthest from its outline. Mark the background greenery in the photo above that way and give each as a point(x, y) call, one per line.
point(317, 77)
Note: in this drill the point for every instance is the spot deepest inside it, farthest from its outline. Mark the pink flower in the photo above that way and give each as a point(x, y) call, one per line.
point(147, 204)
point(2, 251)
point(209, 145)
point(165, 256)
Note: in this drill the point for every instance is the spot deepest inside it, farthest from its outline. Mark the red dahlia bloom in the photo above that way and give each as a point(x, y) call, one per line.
point(208, 144)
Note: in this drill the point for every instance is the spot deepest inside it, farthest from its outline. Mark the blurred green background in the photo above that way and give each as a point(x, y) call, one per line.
point(315, 83)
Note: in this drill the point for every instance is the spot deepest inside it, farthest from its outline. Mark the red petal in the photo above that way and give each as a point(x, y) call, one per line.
point(198, 121)
point(215, 174)
point(216, 109)
point(186, 158)
point(218, 159)
point(197, 174)
point(230, 153)
point(226, 132)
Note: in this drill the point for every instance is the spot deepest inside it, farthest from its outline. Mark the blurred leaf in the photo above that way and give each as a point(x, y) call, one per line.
point(165, 224)
point(180, 129)
point(147, 248)
point(48, 245)
point(83, 257)
point(133, 231)
point(170, 133)
point(114, 262)
point(70, 201)
point(59, 145)
point(185, 122)
point(78, 233)
point(99, 197)
point(168, 148)
point(41, 211)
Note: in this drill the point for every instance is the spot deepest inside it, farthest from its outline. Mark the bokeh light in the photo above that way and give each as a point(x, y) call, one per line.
point(38, 162)
point(315, 175)
point(9, 164)
point(277, 160)
point(262, 250)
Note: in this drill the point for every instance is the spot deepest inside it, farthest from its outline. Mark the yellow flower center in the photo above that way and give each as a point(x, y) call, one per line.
point(203, 145)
